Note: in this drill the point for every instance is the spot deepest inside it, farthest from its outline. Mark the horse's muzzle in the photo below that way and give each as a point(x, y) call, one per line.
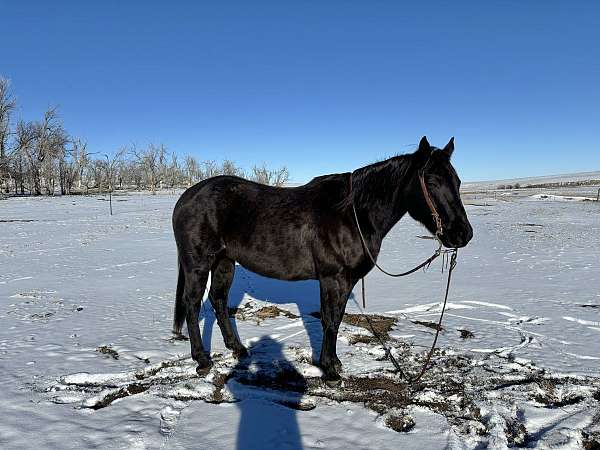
point(458, 236)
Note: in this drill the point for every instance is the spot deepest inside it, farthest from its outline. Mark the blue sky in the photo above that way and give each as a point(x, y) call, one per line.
point(318, 86)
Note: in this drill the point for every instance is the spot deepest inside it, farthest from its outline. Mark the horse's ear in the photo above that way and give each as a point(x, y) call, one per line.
point(449, 148)
point(424, 145)
point(424, 151)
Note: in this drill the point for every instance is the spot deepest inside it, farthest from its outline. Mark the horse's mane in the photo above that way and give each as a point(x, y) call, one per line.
point(377, 181)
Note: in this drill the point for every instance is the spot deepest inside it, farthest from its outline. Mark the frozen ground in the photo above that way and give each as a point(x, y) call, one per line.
point(87, 358)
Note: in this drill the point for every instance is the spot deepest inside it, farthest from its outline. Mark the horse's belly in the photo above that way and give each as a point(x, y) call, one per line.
point(279, 263)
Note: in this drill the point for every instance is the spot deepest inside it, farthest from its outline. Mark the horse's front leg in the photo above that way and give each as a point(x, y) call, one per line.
point(334, 295)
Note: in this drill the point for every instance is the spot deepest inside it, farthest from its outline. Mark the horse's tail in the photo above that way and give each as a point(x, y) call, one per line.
point(179, 312)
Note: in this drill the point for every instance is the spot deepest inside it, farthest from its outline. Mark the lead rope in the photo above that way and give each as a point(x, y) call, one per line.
point(439, 251)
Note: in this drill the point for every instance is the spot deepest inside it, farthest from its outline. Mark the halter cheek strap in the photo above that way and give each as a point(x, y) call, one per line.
point(436, 217)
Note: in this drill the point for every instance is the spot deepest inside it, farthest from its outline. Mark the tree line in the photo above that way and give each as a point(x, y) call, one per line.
point(39, 157)
point(549, 185)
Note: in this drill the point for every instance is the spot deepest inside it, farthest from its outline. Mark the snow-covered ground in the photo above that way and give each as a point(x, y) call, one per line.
point(87, 358)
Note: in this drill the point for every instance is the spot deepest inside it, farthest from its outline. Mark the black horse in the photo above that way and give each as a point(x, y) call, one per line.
point(305, 232)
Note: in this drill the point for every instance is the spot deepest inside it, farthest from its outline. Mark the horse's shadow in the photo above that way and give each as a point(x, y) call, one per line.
point(305, 294)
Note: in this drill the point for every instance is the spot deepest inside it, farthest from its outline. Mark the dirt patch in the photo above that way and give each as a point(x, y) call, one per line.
point(105, 401)
point(516, 433)
point(530, 225)
point(551, 397)
point(354, 339)
point(591, 441)
point(219, 381)
point(269, 312)
point(107, 350)
point(466, 334)
point(247, 312)
point(41, 316)
point(150, 372)
point(380, 326)
point(432, 325)
point(400, 423)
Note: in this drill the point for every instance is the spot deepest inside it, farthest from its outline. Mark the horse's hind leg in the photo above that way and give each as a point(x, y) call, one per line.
point(195, 285)
point(221, 279)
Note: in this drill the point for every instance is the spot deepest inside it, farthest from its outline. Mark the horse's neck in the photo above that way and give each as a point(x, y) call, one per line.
point(381, 208)
point(376, 222)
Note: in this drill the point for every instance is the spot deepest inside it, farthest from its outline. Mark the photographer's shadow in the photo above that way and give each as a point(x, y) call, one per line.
point(305, 294)
point(267, 418)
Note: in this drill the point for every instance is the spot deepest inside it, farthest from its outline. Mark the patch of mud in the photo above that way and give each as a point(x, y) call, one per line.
point(354, 339)
point(400, 423)
point(516, 433)
point(41, 316)
point(108, 350)
point(269, 312)
point(590, 441)
point(466, 334)
point(425, 323)
point(249, 311)
point(379, 325)
point(554, 395)
point(106, 400)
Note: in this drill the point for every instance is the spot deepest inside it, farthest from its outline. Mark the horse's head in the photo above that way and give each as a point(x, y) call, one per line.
point(441, 184)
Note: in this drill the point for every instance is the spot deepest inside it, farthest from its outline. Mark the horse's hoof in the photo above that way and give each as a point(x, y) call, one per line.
point(202, 370)
point(333, 380)
point(240, 353)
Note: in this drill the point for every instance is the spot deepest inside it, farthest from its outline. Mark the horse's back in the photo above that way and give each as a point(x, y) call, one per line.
point(270, 230)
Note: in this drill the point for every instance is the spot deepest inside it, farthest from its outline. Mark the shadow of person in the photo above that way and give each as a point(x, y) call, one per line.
point(305, 294)
point(268, 390)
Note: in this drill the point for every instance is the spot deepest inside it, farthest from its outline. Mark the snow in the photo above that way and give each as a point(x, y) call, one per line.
point(88, 359)
point(560, 198)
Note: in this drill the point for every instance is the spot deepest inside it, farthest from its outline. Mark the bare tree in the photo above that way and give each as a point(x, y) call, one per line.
point(229, 168)
point(81, 159)
point(280, 176)
point(192, 170)
point(7, 106)
point(152, 161)
point(174, 172)
point(211, 169)
point(262, 174)
point(25, 136)
point(41, 143)
point(112, 164)
point(112, 167)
